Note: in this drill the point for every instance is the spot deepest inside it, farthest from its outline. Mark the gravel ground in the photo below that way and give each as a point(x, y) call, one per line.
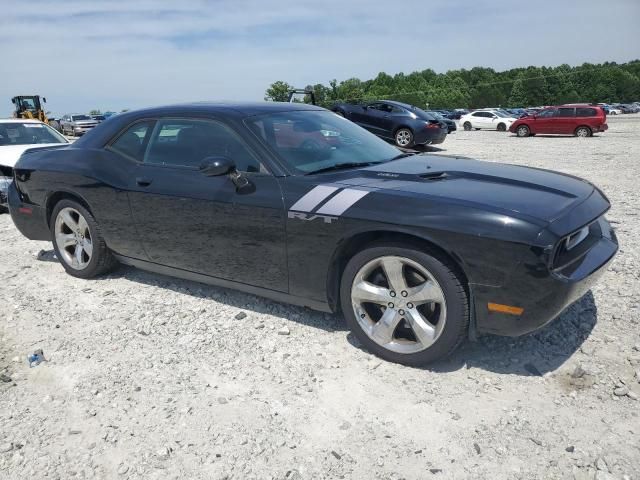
point(149, 377)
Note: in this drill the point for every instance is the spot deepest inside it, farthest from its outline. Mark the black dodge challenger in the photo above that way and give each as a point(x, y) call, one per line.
point(295, 203)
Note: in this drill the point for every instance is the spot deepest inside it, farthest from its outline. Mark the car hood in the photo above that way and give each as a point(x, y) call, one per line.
point(9, 154)
point(520, 191)
point(85, 122)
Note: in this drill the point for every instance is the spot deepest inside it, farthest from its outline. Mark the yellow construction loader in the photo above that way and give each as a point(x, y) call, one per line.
point(31, 107)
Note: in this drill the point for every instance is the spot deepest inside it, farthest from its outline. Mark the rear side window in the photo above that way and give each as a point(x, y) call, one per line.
point(566, 112)
point(586, 112)
point(188, 142)
point(132, 142)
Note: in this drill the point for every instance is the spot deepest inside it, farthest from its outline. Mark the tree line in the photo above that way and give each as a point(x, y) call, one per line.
point(479, 87)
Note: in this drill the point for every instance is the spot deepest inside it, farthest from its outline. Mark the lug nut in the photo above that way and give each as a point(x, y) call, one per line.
point(390, 305)
point(401, 312)
point(392, 293)
point(409, 305)
point(404, 293)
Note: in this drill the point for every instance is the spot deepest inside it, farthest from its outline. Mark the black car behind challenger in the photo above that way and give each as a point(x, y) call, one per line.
point(405, 124)
point(297, 204)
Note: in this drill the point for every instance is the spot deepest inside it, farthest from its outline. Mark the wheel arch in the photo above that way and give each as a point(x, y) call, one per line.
point(53, 198)
point(355, 243)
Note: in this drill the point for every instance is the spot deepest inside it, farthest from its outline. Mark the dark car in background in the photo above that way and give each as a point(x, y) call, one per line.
point(405, 124)
point(416, 251)
point(451, 124)
point(581, 120)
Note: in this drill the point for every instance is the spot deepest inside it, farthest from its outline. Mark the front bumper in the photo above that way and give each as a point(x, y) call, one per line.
point(543, 296)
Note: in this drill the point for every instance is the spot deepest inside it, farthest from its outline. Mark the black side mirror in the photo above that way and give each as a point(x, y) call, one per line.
point(216, 166)
point(44, 100)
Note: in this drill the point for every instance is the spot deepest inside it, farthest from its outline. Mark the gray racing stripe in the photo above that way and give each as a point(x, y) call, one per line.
point(312, 198)
point(341, 202)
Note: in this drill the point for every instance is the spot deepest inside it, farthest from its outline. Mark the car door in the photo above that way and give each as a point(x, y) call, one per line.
point(206, 224)
point(380, 120)
point(563, 121)
point(479, 119)
point(370, 117)
point(544, 121)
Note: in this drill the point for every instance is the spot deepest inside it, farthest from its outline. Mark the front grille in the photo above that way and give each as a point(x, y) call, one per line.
point(573, 247)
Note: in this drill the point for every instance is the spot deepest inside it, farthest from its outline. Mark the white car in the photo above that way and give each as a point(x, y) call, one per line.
point(614, 111)
point(486, 119)
point(16, 136)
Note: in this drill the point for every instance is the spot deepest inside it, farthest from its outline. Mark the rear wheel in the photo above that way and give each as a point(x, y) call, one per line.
point(502, 127)
point(523, 131)
point(467, 126)
point(78, 241)
point(403, 304)
point(583, 132)
point(404, 137)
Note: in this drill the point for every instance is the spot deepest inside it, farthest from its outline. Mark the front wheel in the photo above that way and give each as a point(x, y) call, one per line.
point(403, 304)
point(78, 241)
point(523, 131)
point(467, 126)
point(404, 138)
point(502, 127)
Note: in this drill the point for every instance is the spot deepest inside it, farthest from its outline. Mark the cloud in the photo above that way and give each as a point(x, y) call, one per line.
point(114, 54)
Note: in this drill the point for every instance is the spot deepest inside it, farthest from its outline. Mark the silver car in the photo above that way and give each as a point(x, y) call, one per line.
point(76, 124)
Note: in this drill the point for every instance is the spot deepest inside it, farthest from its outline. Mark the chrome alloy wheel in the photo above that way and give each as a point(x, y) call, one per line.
point(399, 304)
point(73, 238)
point(403, 137)
point(582, 132)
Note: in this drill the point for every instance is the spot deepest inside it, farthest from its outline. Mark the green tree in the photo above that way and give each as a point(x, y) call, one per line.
point(278, 92)
point(518, 95)
point(95, 112)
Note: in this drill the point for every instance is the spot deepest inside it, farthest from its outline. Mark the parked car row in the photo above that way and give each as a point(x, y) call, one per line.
point(76, 124)
point(581, 120)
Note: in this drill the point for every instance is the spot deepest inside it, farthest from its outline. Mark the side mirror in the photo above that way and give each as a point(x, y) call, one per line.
point(44, 99)
point(216, 166)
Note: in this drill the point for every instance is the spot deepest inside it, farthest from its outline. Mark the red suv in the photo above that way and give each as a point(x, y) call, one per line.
point(579, 120)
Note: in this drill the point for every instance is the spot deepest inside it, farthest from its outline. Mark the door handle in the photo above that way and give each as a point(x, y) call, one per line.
point(143, 182)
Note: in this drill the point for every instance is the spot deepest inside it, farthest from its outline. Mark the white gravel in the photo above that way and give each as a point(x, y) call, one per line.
point(149, 377)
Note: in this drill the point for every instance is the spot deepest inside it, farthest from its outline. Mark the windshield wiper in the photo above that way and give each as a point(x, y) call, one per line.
point(342, 166)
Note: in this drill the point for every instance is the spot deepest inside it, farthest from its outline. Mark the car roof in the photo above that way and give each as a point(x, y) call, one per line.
point(19, 120)
point(242, 109)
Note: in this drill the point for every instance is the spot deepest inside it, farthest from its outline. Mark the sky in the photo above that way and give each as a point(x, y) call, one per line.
point(116, 54)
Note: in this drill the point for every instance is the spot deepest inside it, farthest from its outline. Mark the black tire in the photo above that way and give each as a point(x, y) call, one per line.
point(456, 325)
point(502, 127)
point(583, 131)
point(102, 260)
point(403, 137)
point(523, 131)
point(477, 129)
point(467, 126)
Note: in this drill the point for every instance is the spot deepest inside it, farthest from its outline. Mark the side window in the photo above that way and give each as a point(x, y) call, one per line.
point(187, 142)
point(546, 113)
point(132, 143)
point(566, 112)
point(477, 114)
point(586, 112)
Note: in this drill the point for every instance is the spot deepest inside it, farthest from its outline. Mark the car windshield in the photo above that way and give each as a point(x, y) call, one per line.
point(316, 140)
point(28, 133)
point(81, 117)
